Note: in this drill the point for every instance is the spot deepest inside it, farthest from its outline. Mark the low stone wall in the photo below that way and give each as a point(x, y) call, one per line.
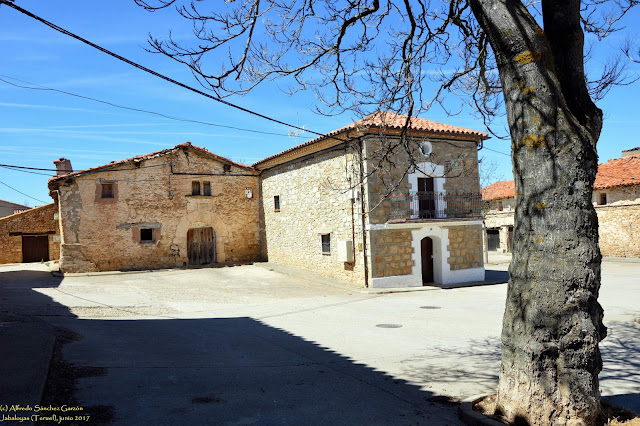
point(619, 228)
point(37, 221)
point(465, 247)
point(391, 251)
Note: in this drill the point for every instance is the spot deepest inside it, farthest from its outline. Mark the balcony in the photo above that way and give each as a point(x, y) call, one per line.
point(433, 205)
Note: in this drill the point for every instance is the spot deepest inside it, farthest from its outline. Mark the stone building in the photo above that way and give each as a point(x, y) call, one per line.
point(616, 197)
point(336, 205)
point(179, 206)
point(30, 236)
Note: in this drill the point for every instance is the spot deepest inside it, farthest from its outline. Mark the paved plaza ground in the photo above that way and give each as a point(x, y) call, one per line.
point(258, 344)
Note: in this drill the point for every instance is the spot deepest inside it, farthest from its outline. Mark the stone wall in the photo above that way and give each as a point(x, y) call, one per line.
point(37, 221)
point(465, 247)
point(619, 221)
point(618, 195)
point(104, 233)
point(391, 253)
point(314, 199)
point(453, 161)
point(619, 228)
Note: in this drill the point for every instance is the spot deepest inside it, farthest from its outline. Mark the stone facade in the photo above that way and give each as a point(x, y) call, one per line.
point(144, 220)
point(465, 247)
point(315, 199)
point(453, 164)
point(391, 253)
point(40, 221)
point(619, 228)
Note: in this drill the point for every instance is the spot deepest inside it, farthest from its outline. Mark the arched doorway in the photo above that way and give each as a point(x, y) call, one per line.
point(201, 246)
point(427, 260)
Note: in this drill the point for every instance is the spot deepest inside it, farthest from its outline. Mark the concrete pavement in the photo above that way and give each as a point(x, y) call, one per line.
point(249, 345)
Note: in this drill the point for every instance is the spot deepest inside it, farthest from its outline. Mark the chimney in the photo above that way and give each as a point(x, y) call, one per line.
point(631, 152)
point(63, 166)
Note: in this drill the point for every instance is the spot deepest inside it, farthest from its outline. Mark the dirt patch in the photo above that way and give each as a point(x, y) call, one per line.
point(61, 383)
point(610, 415)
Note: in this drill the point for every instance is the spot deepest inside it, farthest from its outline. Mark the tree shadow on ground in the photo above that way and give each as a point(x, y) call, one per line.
point(476, 366)
point(620, 376)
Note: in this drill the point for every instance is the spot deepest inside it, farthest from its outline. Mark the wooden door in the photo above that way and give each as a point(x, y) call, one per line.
point(427, 260)
point(201, 246)
point(35, 248)
point(426, 198)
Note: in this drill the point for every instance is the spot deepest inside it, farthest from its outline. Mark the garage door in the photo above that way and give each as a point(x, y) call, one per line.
point(35, 248)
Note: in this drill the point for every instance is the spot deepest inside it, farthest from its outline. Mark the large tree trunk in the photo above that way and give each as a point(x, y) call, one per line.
point(553, 322)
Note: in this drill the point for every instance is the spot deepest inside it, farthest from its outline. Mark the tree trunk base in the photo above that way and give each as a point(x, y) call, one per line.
point(610, 414)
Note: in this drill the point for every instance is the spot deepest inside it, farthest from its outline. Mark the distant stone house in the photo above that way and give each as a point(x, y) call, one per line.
point(30, 236)
point(174, 207)
point(336, 206)
point(8, 208)
point(616, 197)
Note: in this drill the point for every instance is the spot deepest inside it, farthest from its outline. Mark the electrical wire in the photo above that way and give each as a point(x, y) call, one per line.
point(497, 152)
point(170, 117)
point(148, 70)
point(26, 195)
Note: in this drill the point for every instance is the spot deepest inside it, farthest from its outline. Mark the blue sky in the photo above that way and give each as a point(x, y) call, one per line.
point(37, 127)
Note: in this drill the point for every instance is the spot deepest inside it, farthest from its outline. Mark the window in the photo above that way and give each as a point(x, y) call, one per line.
point(603, 199)
point(326, 243)
point(276, 203)
point(500, 206)
point(195, 188)
point(146, 235)
point(107, 190)
point(206, 188)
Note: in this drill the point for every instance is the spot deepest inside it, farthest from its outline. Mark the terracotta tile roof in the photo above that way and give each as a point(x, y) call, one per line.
point(617, 172)
point(498, 190)
point(140, 158)
point(386, 120)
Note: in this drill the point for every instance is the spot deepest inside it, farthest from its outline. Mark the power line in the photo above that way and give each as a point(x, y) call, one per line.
point(25, 171)
point(170, 117)
point(148, 70)
point(497, 152)
point(26, 195)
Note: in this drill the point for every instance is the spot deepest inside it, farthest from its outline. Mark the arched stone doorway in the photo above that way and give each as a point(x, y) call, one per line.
point(426, 254)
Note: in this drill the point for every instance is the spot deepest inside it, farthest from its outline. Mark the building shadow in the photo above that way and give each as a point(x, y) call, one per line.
point(164, 371)
point(235, 371)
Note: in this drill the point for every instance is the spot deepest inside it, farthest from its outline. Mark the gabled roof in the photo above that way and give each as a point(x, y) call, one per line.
point(618, 172)
point(499, 190)
point(614, 173)
point(382, 121)
point(140, 158)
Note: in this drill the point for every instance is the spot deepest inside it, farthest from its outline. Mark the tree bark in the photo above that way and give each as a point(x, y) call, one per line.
point(552, 322)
